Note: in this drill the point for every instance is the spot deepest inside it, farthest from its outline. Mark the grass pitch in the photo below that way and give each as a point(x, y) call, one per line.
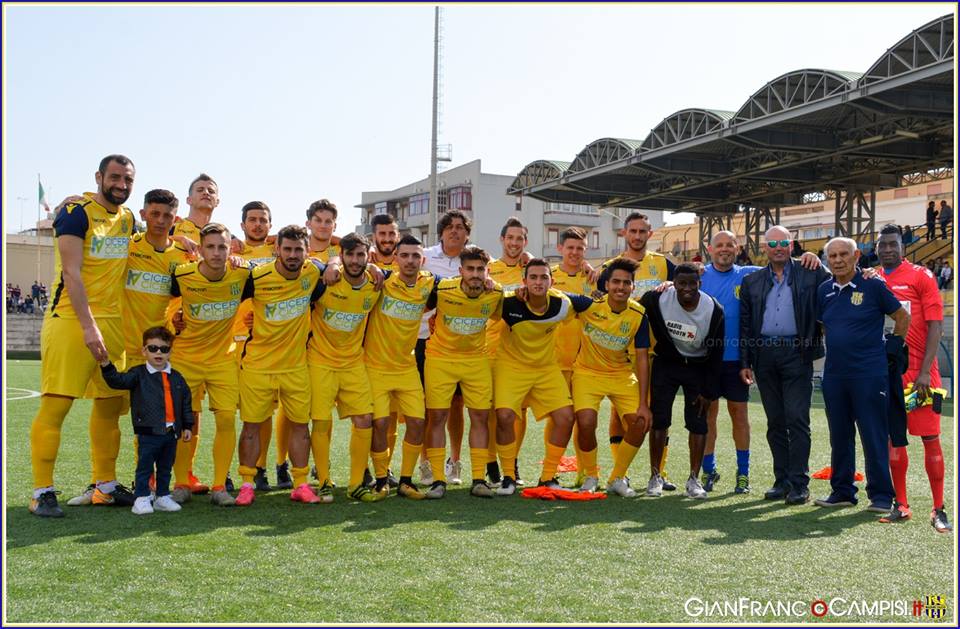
point(460, 559)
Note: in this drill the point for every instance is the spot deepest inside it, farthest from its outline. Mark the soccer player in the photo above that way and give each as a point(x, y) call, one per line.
point(443, 260)
point(210, 290)
point(916, 288)
point(385, 237)
point(203, 197)
point(526, 369)
point(507, 271)
point(653, 268)
point(855, 375)
point(388, 350)
point(151, 259)
point(321, 221)
point(273, 363)
point(81, 328)
point(571, 276)
point(255, 221)
point(687, 325)
point(337, 370)
point(456, 358)
point(610, 326)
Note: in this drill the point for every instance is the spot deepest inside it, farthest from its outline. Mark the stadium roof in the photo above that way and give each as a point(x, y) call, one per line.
point(805, 131)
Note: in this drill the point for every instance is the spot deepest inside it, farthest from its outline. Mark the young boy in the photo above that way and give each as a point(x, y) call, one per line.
point(161, 412)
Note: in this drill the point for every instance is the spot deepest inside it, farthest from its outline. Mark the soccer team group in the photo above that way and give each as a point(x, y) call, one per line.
point(292, 326)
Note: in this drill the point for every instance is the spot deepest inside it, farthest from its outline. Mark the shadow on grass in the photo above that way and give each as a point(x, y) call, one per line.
point(724, 518)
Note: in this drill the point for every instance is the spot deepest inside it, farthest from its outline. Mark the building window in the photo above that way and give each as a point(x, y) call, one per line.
point(552, 235)
point(572, 208)
point(460, 198)
point(594, 240)
point(420, 204)
point(933, 188)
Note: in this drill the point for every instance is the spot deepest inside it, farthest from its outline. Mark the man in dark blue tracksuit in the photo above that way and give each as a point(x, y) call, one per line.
point(855, 377)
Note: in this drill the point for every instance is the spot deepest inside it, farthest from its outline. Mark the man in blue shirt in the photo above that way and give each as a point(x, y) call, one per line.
point(855, 378)
point(721, 280)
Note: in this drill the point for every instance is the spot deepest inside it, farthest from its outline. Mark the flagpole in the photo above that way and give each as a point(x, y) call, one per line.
point(37, 230)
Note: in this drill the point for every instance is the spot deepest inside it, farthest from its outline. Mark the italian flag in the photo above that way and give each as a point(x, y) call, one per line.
point(43, 198)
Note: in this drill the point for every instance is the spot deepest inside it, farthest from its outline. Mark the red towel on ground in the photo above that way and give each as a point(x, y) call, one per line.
point(548, 493)
point(567, 464)
point(826, 472)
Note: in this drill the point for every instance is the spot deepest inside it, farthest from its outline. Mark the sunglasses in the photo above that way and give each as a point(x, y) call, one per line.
point(773, 244)
point(163, 349)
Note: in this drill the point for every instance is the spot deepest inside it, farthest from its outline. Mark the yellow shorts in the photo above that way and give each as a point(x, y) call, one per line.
point(589, 389)
point(441, 377)
point(221, 383)
point(396, 391)
point(68, 368)
point(348, 387)
point(259, 393)
point(544, 390)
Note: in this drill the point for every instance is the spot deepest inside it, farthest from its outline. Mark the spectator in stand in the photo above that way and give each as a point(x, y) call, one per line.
point(28, 305)
point(937, 265)
point(907, 235)
point(16, 296)
point(931, 220)
point(946, 275)
point(35, 291)
point(946, 215)
point(930, 267)
point(697, 257)
point(743, 258)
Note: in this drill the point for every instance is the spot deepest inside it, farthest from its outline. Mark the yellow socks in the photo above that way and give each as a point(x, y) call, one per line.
point(359, 453)
point(436, 458)
point(247, 473)
point(224, 444)
point(587, 461)
point(508, 458)
point(381, 463)
point(551, 461)
point(478, 463)
point(409, 461)
point(105, 437)
point(299, 475)
point(45, 437)
point(320, 446)
point(625, 456)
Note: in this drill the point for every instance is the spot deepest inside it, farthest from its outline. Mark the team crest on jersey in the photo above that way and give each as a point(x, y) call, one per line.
point(304, 283)
point(367, 303)
point(235, 289)
point(485, 310)
point(123, 225)
point(856, 298)
point(624, 327)
point(424, 292)
point(736, 292)
point(652, 269)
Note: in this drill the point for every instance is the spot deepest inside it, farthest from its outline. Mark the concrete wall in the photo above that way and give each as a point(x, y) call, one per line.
point(21, 257)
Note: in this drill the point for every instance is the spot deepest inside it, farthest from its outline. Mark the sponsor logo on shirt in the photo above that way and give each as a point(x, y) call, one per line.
point(465, 326)
point(343, 321)
point(286, 309)
point(399, 309)
point(682, 331)
point(642, 287)
point(214, 311)
point(148, 282)
point(607, 340)
point(109, 247)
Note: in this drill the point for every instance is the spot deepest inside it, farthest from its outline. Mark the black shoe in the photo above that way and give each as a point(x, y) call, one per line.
point(46, 505)
point(516, 474)
point(313, 473)
point(667, 485)
point(938, 519)
point(368, 480)
point(283, 477)
point(228, 485)
point(777, 492)
point(380, 485)
point(507, 487)
point(260, 482)
point(123, 497)
point(553, 483)
point(392, 480)
point(798, 496)
point(493, 473)
point(709, 479)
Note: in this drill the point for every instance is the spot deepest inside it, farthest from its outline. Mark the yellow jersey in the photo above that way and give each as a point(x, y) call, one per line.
point(652, 270)
point(395, 321)
point(461, 323)
point(338, 322)
point(530, 338)
point(510, 278)
point(609, 338)
point(255, 256)
point(568, 336)
point(209, 307)
point(389, 266)
point(186, 228)
point(325, 255)
point(146, 293)
point(106, 239)
point(281, 317)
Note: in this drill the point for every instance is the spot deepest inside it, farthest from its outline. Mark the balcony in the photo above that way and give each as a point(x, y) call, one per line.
point(568, 219)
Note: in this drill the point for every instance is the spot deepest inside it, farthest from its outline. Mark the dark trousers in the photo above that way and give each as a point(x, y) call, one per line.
point(159, 451)
point(931, 230)
point(785, 383)
point(943, 229)
point(859, 404)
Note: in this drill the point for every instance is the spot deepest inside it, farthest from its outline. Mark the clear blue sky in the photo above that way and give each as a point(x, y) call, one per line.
point(288, 104)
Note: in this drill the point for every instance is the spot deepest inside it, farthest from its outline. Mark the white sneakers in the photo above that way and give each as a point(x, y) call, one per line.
point(655, 486)
point(695, 489)
point(589, 484)
point(621, 487)
point(146, 505)
point(453, 470)
point(426, 473)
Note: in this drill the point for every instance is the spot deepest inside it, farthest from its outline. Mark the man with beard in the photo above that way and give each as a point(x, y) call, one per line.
point(385, 236)
point(82, 327)
point(273, 364)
